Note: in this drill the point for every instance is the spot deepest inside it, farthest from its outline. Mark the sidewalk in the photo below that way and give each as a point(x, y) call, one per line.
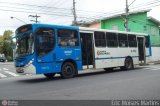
point(7, 63)
point(154, 62)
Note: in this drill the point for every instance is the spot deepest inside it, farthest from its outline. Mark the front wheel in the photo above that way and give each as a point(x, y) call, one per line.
point(68, 70)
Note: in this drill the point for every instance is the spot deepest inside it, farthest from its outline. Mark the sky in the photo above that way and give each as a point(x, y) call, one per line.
point(60, 11)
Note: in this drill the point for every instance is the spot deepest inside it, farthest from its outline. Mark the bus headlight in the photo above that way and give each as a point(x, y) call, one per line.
point(30, 62)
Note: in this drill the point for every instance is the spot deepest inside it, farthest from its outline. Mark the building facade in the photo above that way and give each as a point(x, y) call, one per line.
point(137, 22)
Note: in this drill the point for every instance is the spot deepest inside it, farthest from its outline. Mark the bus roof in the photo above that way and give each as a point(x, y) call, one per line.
point(83, 28)
point(57, 26)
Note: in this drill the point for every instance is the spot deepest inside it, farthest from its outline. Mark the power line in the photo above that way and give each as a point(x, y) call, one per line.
point(137, 7)
point(60, 3)
point(146, 4)
point(34, 5)
point(56, 2)
point(62, 10)
point(48, 7)
point(42, 13)
point(19, 8)
point(34, 12)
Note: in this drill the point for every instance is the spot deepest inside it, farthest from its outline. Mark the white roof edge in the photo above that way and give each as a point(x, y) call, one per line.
point(153, 19)
point(107, 30)
point(132, 12)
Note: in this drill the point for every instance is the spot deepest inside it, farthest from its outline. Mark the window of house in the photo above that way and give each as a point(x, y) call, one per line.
point(145, 29)
point(67, 38)
point(111, 39)
point(100, 39)
point(122, 40)
point(153, 30)
point(132, 40)
point(114, 27)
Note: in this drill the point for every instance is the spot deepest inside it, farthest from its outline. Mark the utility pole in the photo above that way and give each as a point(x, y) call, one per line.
point(126, 18)
point(74, 13)
point(36, 18)
point(127, 14)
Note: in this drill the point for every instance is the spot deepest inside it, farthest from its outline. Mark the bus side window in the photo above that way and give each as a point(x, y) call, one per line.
point(132, 41)
point(100, 39)
point(111, 39)
point(67, 38)
point(122, 40)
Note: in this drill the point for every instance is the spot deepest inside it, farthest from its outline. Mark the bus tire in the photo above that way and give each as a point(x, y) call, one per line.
point(49, 75)
point(128, 64)
point(68, 70)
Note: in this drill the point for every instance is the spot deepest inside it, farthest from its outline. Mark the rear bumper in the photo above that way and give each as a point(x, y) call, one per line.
point(28, 69)
point(2, 60)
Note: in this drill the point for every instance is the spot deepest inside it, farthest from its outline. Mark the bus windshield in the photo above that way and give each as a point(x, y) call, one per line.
point(24, 44)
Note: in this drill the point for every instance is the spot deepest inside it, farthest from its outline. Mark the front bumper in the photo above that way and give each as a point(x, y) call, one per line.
point(28, 69)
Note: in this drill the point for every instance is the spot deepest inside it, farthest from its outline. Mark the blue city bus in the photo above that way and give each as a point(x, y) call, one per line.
point(68, 50)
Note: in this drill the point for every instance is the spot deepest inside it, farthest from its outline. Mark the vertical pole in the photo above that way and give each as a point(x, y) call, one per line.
point(126, 19)
point(36, 18)
point(74, 13)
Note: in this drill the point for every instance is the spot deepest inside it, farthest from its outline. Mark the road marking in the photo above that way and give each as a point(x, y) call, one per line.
point(154, 69)
point(5, 69)
point(11, 73)
point(148, 68)
point(0, 69)
point(2, 76)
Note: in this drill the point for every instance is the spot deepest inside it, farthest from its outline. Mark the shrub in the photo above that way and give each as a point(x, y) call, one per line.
point(9, 58)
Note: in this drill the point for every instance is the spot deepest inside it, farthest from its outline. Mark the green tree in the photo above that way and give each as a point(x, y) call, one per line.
point(1, 44)
point(6, 45)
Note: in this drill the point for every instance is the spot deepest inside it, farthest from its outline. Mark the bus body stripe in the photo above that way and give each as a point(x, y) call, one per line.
point(115, 57)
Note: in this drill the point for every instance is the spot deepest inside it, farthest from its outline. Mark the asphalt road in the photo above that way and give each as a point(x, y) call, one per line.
point(7, 70)
point(140, 83)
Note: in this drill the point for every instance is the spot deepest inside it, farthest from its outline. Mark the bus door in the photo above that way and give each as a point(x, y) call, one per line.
point(141, 49)
point(87, 50)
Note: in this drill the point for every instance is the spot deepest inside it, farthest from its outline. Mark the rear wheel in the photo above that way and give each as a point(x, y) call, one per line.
point(49, 75)
point(128, 64)
point(68, 70)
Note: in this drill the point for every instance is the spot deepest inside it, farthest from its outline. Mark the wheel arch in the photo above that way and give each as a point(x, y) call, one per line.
point(130, 57)
point(72, 61)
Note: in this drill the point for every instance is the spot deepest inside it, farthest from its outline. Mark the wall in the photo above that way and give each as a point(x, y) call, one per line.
point(155, 54)
point(95, 25)
point(136, 22)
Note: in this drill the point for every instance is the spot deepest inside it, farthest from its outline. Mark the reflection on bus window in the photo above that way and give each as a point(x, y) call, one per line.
point(45, 41)
point(122, 40)
point(67, 38)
